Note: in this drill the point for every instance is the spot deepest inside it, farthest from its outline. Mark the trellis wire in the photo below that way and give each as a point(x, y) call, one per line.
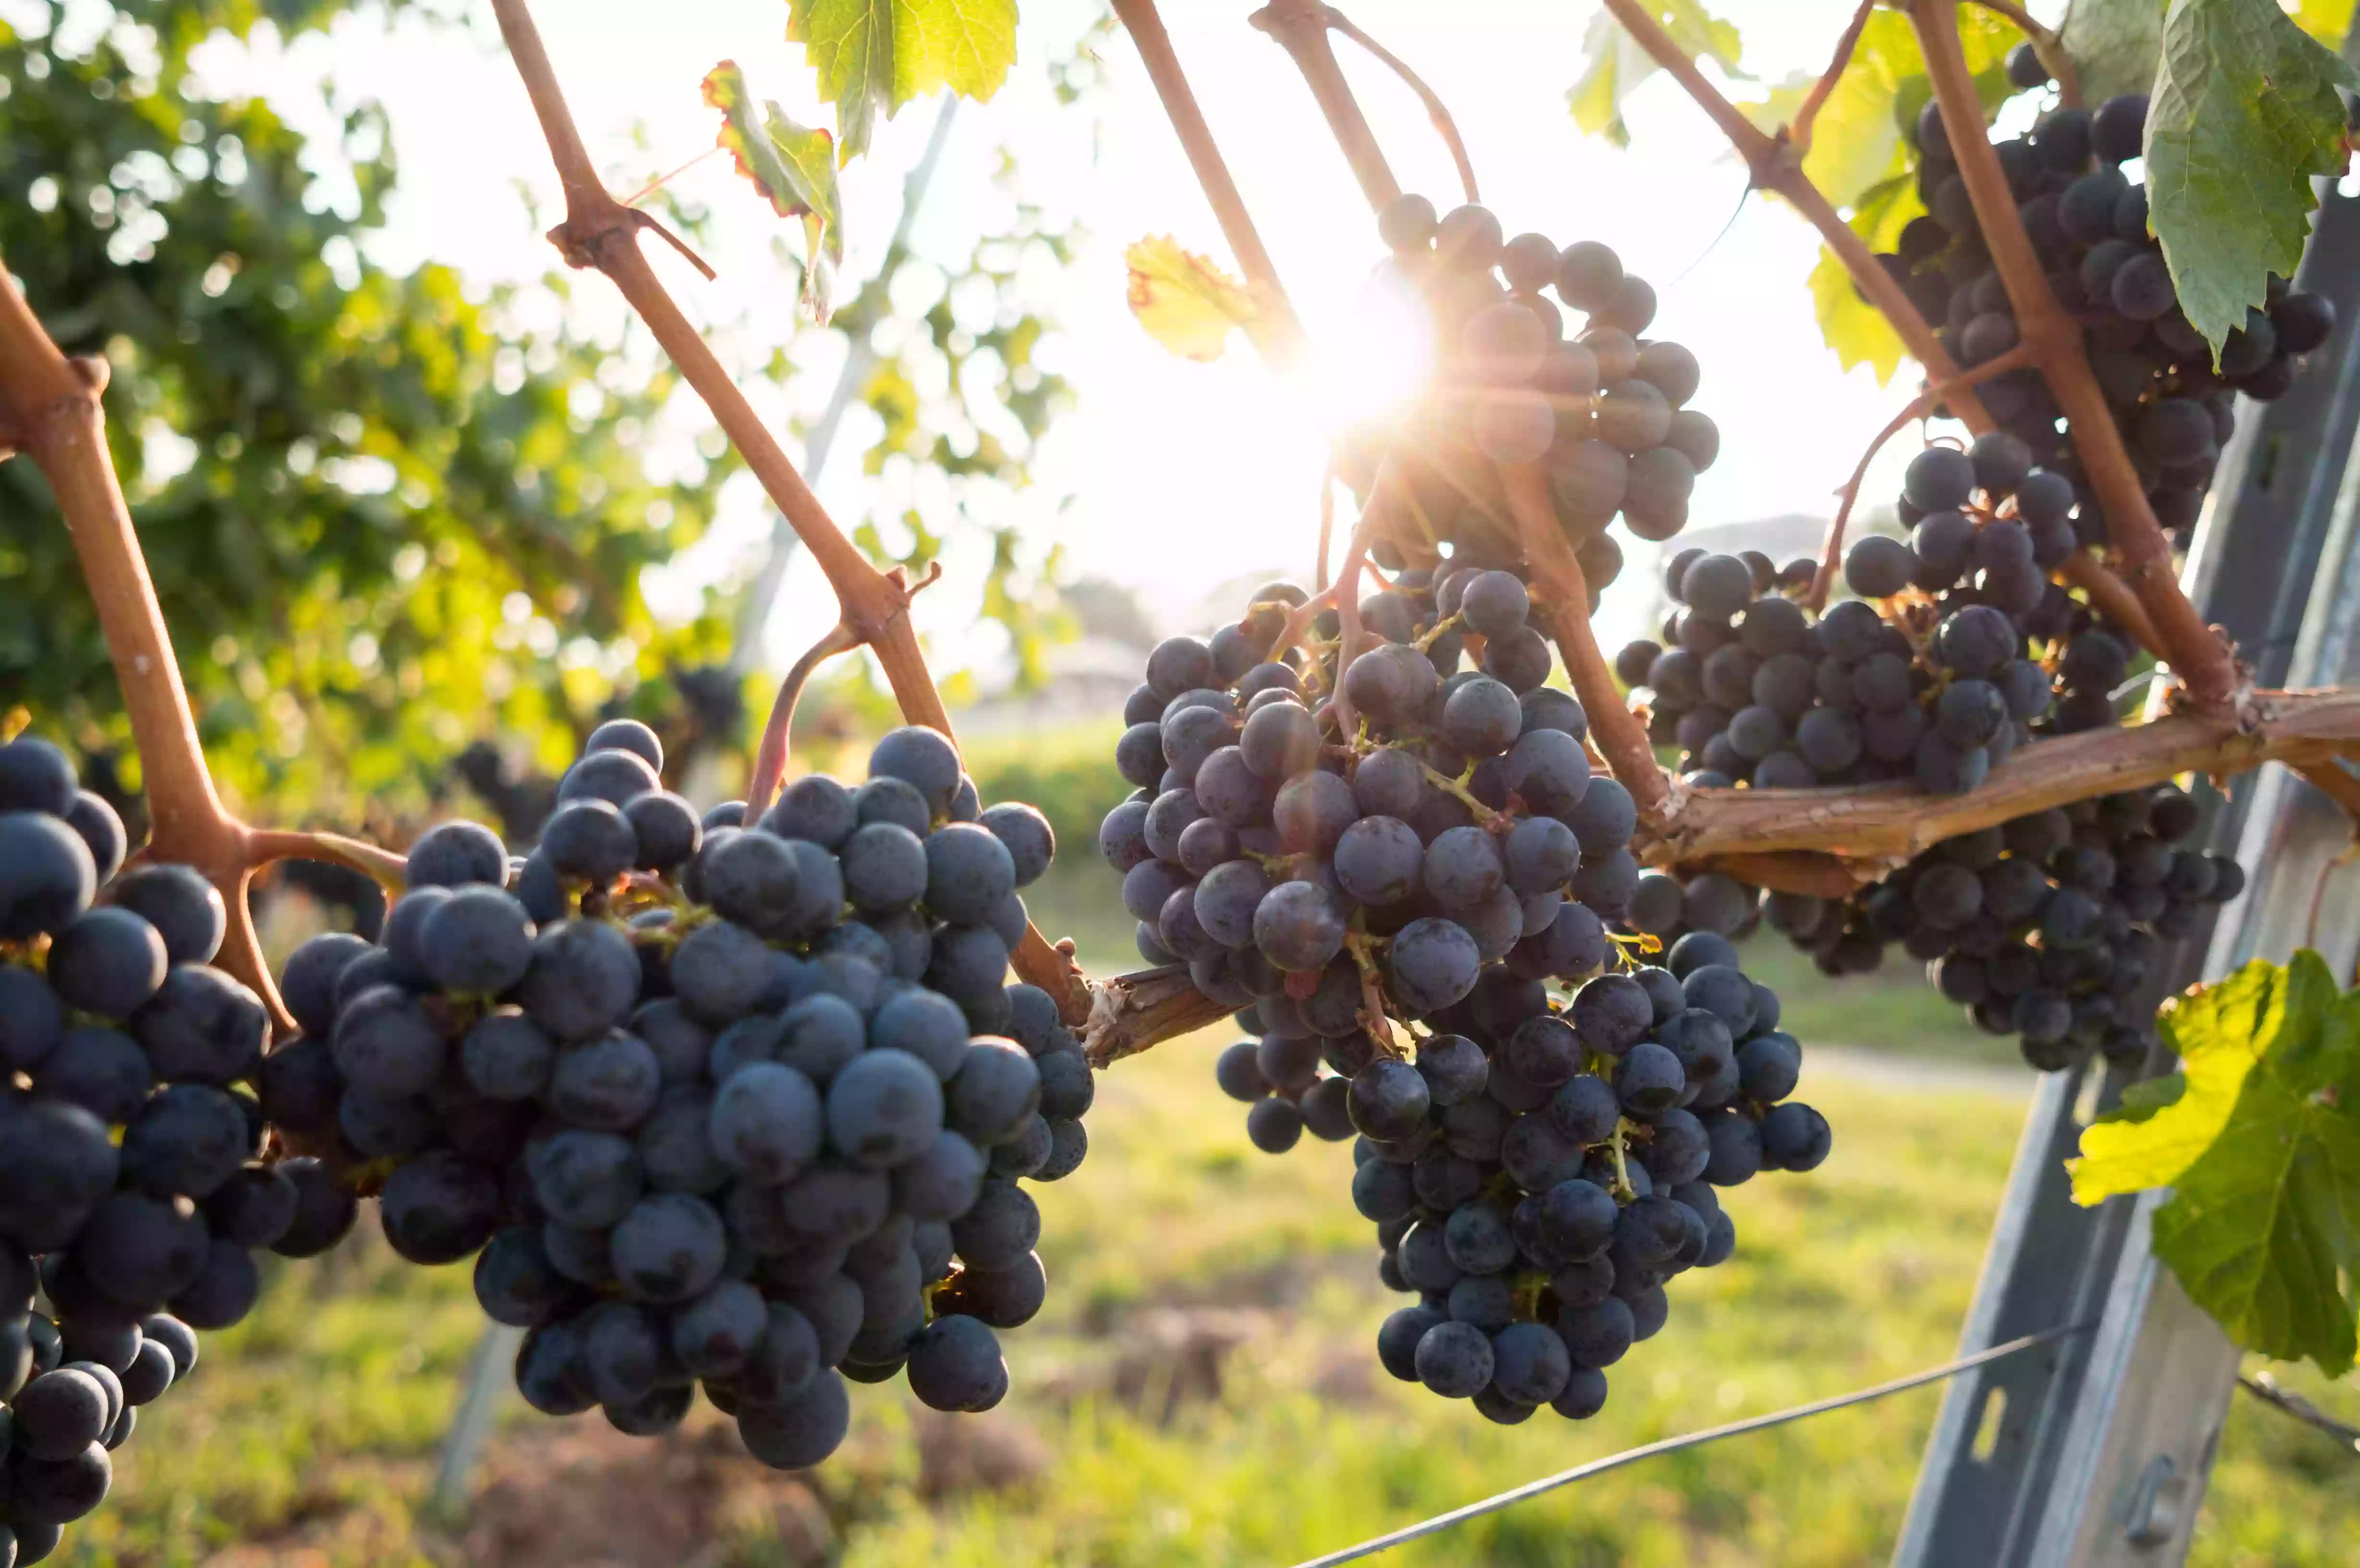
point(2265, 1387)
point(1692, 1440)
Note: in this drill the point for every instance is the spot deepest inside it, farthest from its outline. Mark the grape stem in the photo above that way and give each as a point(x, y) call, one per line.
point(1831, 553)
point(1799, 129)
point(1620, 1142)
point(1283, 337)
point(770, 756)
point(1381, 493)
point(1435, 111)
point(1775, 166)
point(1380, 1028)
point(600, 231)
point(2197, 654)
point(1301, 27)
point(1565, 597)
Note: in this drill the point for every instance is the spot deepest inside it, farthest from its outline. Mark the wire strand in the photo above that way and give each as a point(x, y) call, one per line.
point(2265, 1387)
point(1673, 1444)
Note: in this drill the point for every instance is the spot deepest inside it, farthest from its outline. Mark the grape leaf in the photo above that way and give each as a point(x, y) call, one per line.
point(873, 54)
point(2245, 113)
point(1857, 137)
point(1612, 64)
point(794, 167)
point(1185, 302)
point(2258, 1134)
point(2114, 45)
point(1856, 329)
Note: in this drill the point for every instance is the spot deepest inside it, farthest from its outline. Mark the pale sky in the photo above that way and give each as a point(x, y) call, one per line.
point(1181, 474)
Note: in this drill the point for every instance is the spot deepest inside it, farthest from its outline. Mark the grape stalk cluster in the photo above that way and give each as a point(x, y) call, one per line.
point(2048, 928)
point(1603, 409)
point(132, 1197)
point(719, 1104)
point(1404, 880)
point(2088, 223)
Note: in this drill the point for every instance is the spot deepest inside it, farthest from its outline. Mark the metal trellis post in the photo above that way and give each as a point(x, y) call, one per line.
point(2097, 1451)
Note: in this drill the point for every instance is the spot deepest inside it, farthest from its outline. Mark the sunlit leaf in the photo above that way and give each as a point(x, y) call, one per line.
point(1185, 302)
point(873, 55)
point(2244, 114)
point(1613, 65)
point(794, 167)
point(1856, 330)
point(1857, 134)
point(2258, 1135)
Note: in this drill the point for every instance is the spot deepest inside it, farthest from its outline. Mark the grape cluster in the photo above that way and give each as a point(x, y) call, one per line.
point(712, 1103)
point(132, 1195)
point(1604, 409)
point(1410, 908)
point(2088, 223)
point(2046, 928)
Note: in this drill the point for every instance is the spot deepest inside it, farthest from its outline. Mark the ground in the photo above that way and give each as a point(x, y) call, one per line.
point(1201, 1390)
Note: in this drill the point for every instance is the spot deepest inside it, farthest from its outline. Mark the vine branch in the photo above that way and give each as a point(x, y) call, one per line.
point(1565, 593)
point(51, 409)
point(1895, 822)
point(1141, 19)
point(1301, 29)
point(1776, 167)
point(600, 231)
point(2194, 651)
point(1799, 129)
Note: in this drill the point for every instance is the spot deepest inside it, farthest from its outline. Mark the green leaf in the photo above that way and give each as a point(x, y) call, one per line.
point(794, 167)
point(2245, 113)
point(880, 54)
point(1612, 64)
point(1856, 329)
point(2261, 1144)
point(2114, 45)
point(1858, 137)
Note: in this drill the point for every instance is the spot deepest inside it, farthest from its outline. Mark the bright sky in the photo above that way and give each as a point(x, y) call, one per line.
point(1183, 475)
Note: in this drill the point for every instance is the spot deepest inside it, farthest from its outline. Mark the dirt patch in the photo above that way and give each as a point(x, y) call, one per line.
point(581, 1495)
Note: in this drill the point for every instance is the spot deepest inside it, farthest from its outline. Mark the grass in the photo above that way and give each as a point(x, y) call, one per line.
point(1201, 1390)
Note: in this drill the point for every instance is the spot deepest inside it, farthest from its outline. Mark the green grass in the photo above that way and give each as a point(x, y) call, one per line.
point(1201, 1390)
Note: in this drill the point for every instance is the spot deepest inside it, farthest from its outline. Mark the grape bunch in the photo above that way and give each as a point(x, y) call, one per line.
point(2089, 226)
point(742, 1107)
point(132, 1194)
point(1604, 408)
point(2046, 928)
point(1403, 881)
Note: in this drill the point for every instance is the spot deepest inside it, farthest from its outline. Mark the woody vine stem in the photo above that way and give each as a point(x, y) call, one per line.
point(1820, 840)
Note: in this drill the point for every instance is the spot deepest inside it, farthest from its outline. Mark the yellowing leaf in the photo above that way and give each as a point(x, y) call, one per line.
point(1185, 302)
point(794, 167)
point(2259, 1137)
point(1612, 64)
point(880, 54)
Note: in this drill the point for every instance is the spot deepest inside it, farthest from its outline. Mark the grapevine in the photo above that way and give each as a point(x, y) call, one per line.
point(739, 1100)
